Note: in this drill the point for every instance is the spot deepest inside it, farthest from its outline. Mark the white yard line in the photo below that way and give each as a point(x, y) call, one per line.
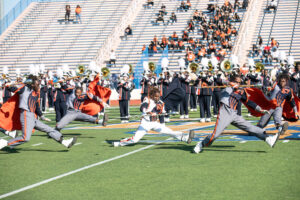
point(4, 137)
point(76, 171)
point(38, 144)
point(77, 143)
point(83, 168)
point(243, 141)
point(285, 141)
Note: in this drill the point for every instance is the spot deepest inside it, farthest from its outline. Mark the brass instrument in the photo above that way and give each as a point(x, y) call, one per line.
point(210, 66)
point(81, 70)
point(151, 66)
point(259, 67)
point(194, 67)
point(130, 69)
point(105, 73)
point(226, 66)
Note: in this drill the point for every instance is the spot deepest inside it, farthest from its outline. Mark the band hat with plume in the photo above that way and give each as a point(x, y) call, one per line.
point(18, 72)
point(42, 69)
point(291, 61)
point(65, 69)
point(164, 62)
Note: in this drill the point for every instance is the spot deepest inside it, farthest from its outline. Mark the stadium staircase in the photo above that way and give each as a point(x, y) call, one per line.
point(282, 25)
point(39, 38)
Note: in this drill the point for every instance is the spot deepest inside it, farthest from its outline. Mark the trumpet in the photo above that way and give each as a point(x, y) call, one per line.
point(226, 66)
point(210, 66)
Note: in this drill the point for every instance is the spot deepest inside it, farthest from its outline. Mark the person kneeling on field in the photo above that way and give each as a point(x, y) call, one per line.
point(230, 98)
point(74, 104)
point(153, 110)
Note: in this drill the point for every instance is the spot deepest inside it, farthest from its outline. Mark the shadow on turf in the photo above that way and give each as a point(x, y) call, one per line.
point(211, 148)
point(68, 135)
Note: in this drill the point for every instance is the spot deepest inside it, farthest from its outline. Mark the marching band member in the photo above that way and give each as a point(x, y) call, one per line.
point(228, 115)
point(29, 108)
point(185, 84)
point(218, 81)
point(60, 97)
point(281, 92)
point(152, 109)
point(124, 88)
point(164, 83)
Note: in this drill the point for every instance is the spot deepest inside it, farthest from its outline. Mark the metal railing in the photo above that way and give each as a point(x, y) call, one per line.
point(295, 22)
point(12, 15)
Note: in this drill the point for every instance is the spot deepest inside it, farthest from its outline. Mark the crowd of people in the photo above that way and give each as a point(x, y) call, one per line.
point(215, 29)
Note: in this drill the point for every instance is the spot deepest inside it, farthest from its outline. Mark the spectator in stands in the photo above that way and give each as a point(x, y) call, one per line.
point(144, 48)
point(68, 12)
point(185, 36)
point(155, 40)
point(201, 53)
point(164, 42)
point(174, 36)
point(212, 48)
point(188, 5)
point(275, 54)
point(181, 45)
point(191, 26)
point(260, 41)
point(128, 31)
point(245, 4)
point(236, 17)
point(221, 54)
point(173, 45)
point(273, 43)
point(112, 58)
point(160, 18)
point(78, 13)
point(173, 18)
point(150, 2)
point(236, 5)
point(272, 5)
point(190, 56)
point(182, 7)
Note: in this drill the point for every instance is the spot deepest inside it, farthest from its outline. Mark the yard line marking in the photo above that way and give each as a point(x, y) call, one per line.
point(77, 170)
point(285, 141)
point(4, 137)
point(83, 168)
point(37, 144)
point(243, 141)
point(77, 143)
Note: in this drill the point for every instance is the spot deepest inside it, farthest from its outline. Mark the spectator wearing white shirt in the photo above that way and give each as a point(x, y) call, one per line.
point(112, 58)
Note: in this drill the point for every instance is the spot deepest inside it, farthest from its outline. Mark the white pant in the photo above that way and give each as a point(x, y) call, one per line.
point(146, 126)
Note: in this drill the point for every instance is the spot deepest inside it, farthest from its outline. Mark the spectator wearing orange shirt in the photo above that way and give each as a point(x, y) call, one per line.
point(78, 13)
point(155, 40)
point(190, 56)
point(175, 36)
point(201, 53)
point(212, 48)
point(180, 45)
point(185, 36)
point(221, 54)
point(273, 43)
point(144, 48)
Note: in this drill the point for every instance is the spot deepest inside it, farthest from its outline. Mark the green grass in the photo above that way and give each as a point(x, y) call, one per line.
point(226, 170)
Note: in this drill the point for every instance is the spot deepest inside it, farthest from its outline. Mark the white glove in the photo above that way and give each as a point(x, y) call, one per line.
point(45, 118)
point(265, 112)
point(105, 105)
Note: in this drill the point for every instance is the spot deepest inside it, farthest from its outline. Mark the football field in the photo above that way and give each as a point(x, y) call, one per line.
point(236, 166)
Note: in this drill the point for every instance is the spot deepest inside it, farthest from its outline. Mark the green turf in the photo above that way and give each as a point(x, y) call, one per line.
point(226, 170)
